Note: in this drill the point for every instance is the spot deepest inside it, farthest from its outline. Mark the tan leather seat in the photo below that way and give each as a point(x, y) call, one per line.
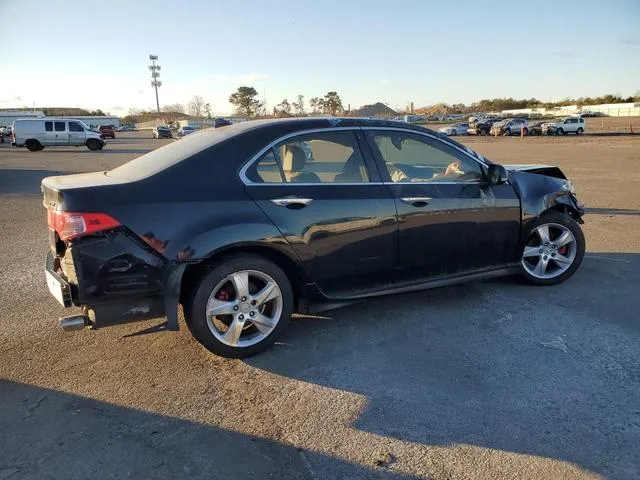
point(293, 162)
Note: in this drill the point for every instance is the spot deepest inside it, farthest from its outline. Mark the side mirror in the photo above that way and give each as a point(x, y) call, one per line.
point(497, 174)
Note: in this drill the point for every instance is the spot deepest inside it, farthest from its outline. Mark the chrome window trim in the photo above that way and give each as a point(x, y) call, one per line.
point(245, 180)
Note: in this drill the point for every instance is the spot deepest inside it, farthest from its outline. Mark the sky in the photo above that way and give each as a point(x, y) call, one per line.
point(93, 54)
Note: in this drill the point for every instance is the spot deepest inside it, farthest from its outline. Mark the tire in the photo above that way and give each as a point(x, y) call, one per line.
point(93, 144)
point(33, 145)
point(559, 131)
point(454, 133)
point(216, 281)
point(507, 132)
point(579, 131)
point(556, 272)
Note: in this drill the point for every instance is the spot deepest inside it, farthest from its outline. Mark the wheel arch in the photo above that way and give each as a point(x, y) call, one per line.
point(290, 266)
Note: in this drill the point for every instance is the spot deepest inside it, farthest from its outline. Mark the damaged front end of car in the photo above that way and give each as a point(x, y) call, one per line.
point(542, 188)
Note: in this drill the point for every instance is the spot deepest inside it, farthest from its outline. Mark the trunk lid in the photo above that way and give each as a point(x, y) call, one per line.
point(55, 189)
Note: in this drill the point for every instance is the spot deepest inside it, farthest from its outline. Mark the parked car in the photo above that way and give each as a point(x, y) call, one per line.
point(481, 126)
point(126, 128)
point(274, 233)
point(566, 125)
point(162, 132)
point(455, 129)
point(186, 130)
point(536, 128)
point(220, 122)
point(510, 126)
point(37, 133)
point(107, 131)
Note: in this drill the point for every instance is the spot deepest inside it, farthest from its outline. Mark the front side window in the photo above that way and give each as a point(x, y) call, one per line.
point(48, 126)
point(60, 126)
point(323, 157)
point(75, 127)
point(411, 158)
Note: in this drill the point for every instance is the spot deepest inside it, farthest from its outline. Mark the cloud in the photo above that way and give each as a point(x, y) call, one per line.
point(140, 91)
point(251, 78)
point(117, 107)
point(630, 41)
point(384, 82)
point(17, 99)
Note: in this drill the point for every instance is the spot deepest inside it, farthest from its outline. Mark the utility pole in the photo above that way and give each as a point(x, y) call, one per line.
point(155, 75)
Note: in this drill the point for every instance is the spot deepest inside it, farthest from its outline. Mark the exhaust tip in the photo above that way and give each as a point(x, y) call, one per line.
point(73, 322)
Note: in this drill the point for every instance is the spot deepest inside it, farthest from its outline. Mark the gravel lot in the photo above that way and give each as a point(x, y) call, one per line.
point(484, 380)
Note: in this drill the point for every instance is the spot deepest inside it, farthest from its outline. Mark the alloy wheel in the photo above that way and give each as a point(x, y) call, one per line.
point(550, 251)
point(244, 308)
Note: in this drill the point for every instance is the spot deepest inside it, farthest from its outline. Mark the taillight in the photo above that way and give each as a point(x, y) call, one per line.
point(70, 225)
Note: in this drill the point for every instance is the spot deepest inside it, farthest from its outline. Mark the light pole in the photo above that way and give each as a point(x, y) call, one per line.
point(155, 75)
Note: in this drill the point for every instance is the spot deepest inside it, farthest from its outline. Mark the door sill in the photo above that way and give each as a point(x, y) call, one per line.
point(415, 286)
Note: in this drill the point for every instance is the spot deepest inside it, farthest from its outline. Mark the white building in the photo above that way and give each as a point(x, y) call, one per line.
point(7, 117)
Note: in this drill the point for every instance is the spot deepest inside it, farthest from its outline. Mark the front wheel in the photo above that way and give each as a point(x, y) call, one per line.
point(507, 132)
point(559, 131)
point(33, 145)
point(579, 131)
point(240, 307)
point(93, 144)
point(554, 250)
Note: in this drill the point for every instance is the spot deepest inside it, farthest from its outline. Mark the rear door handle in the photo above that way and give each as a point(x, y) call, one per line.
point(292, 202)
point(416, 201)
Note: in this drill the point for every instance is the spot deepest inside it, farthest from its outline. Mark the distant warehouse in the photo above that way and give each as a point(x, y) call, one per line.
point(7, 118)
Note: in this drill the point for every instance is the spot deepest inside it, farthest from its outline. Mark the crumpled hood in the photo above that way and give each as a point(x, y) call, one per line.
point(541, 169)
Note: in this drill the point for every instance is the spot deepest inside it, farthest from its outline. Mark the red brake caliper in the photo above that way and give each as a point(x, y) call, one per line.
point(563, 250)
point(223, 295)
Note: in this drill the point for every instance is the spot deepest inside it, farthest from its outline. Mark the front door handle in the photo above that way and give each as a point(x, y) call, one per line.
point(292, 202)
point(417, 201)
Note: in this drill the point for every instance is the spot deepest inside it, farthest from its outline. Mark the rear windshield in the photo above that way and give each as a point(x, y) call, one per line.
point(169, 155)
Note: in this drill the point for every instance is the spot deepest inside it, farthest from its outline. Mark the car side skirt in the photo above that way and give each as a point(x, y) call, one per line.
point(319, 301)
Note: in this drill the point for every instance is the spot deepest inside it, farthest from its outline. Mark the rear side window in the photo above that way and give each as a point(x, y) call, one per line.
point(48, 126)
point(60, 126)
point(323, 157)
point(75, 127)
point(267, 169)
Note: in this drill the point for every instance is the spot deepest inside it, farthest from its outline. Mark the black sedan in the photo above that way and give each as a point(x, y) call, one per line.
point(246, 224)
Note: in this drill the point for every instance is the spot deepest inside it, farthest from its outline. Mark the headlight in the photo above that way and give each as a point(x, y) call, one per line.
point(570, 187)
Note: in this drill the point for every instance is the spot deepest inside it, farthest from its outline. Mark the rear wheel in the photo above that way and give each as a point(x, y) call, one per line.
point(507, 132)
point(93, 144)
point(560, 131)
point(33, 145)
point(554, 249)
point(579, 131)
point(240, 307)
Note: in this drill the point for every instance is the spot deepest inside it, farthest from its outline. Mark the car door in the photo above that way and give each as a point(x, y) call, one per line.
point(49, 133)
point(76, 134)
point(327, 200)
point(451, 221)
point(60, 132)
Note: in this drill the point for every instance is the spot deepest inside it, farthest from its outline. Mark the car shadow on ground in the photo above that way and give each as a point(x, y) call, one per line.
point(611, 211)
point(49, 434)
point(141, 151)
point(25, 182)
point(546, 371)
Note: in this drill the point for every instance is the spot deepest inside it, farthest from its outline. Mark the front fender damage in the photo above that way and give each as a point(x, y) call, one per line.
point(539, 193)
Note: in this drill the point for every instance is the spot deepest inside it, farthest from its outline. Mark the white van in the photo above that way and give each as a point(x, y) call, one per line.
point(37, 133)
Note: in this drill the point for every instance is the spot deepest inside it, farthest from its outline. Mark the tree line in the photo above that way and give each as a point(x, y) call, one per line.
point(245, 102)
point(499, 104)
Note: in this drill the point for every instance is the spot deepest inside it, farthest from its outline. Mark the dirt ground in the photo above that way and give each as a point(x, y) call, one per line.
point(487, 380)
